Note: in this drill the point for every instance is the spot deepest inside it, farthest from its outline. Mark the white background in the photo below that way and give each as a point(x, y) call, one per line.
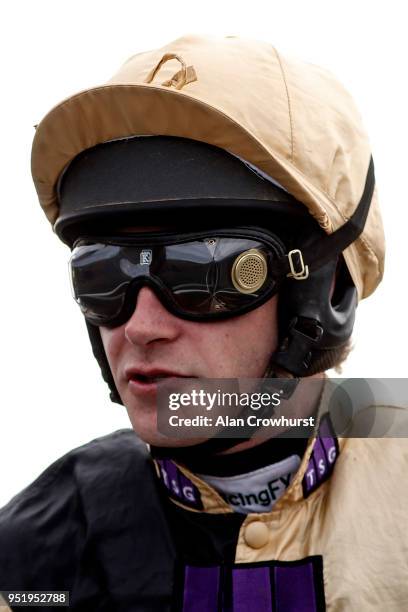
point(52, 395)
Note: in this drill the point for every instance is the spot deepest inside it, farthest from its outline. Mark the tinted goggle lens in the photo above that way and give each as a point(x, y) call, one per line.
point(199, 279)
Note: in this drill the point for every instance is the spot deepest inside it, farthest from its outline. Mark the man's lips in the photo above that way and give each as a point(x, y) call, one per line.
point(143, 381)
point(152, 375)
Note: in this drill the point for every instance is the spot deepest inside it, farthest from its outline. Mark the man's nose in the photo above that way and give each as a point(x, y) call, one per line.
point(151, 321)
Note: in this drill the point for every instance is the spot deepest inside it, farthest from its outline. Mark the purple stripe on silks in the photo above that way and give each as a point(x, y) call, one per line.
point(322, 459)
point(201, 586)
point(322, 465)
point(169, 475)
point(190, 493)
point(294, 589)
point(178, 485)
point(309, 481)
point(251, 590)
point(172, 479)
point(330, 446)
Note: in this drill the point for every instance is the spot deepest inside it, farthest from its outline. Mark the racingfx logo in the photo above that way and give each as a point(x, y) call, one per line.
point(146, 257)
point(258, 490)
point(261, 500)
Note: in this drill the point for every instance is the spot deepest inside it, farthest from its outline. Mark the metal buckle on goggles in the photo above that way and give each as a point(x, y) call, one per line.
point(198, 276)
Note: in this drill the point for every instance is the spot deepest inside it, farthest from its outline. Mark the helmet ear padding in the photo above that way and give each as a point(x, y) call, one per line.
point(315, 322)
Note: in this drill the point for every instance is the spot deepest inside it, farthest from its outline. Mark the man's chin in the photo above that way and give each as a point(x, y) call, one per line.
point(143, 418)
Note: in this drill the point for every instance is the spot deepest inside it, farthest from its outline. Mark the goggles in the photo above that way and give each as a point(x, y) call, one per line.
point(199, 276)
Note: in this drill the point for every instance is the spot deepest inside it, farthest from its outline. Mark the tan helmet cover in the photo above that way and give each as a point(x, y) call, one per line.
point(291, 119)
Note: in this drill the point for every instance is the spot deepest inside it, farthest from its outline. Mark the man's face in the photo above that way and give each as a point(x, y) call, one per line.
point(155, 343)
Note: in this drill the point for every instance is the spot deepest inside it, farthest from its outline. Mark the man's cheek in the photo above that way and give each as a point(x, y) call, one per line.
point(112, 343)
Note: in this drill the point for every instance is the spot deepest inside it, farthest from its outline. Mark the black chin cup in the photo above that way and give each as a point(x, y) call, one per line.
point(316, 318)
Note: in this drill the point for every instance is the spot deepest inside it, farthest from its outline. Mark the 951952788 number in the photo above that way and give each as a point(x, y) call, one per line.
point(35, 598)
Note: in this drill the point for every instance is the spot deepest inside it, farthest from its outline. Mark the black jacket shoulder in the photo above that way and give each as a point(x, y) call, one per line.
point(85, 525)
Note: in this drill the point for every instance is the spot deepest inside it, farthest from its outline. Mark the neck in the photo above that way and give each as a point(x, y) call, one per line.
point(306, 404)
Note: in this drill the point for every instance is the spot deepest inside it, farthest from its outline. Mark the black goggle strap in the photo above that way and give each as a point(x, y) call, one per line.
point(297, 263)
